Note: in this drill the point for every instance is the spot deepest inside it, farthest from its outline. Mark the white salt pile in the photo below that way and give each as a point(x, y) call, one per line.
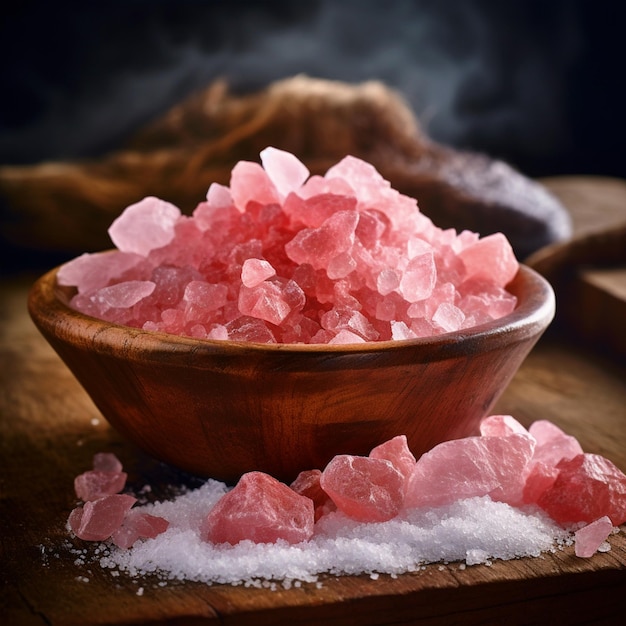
point(508, 493)
point(279, 256)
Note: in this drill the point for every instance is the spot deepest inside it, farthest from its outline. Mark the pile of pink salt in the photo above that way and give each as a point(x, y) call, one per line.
point(281, 256)
point(464, 500)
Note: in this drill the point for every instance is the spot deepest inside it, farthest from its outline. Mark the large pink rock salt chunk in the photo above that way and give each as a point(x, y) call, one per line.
point(261, 509)
point(255, 271)
point(219, 196)
point(397, 452)
point(490, 258)
point(307, 483)
point(138, 525)
point(502, 426)
point(552, 443)
point(589, 538)
point(363, 488)
point(96, 484)
point(145, 226)
point(314, 211)
point(586, 488)
point(265, 301)
point(284, 169)
point(97, 520)
point(473, 466)
point(448, 317)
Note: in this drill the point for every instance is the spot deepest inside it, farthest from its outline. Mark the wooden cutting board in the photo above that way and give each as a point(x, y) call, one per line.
point(49, 431)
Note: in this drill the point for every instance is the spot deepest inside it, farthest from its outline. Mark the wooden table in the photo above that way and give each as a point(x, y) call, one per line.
point(49, 430)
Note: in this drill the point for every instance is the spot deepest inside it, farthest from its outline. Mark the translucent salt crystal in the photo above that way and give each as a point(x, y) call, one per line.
point(589, 539)
point(97, 520)
point(255, 271)
point(106, 462)
point(340, 266)
point(396, 451)
point(123, 295)
point(261, 509)
point(284, 169)
point(312, 212)
point(202, 297)
point(363, 488)
point(448, 317)
point(265, 301)
point(307, 483)
point(321, 185)
point(248, 328)
point(249, 182)
point(144, 226)
point(552, 443)
point(90, 272)
point(388, 280)
point(586, 488)
point(419, 278)
point(96, 484)
point(501, 426)
point(490, 258)
point(345, 337)
point(400, 331)
point(138, 525)
point(473, 466)
point(219, 196)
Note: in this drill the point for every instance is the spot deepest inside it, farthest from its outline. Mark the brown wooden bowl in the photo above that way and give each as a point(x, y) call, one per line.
point(221, 408)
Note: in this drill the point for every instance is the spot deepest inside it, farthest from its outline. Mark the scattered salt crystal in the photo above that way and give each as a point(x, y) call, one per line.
point(284, 248)
point(95, 484)
point(591, 537)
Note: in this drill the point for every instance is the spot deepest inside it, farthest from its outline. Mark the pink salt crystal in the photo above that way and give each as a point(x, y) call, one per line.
point(100, 518)
point(539, 479)
point(106, 462)
point(201, 297)
point(320, 185)
point(419, 278)
point(90, 272)
point(261, 509)
point(552, 443)
point(473, 466)
point(145, 226)
point(249, 182)
point(501, 426)
point(123, 295)
point(363, 488)
point(396, 451)
point(138, 525)
point(588, 539)
point(586, 488)
point(255, 271)
point(284, 169)
point(314, 211)
point(219, 196)
point(490, 258)
point(345, 336)
point(400, 331)
point(448, 317)
point(265, 301)
point(307, 483)
point(96, 484)
point(317, 246)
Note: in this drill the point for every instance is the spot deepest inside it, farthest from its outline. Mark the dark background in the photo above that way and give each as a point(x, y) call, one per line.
point(538, 83)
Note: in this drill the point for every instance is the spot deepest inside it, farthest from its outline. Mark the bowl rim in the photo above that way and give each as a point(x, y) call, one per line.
point(51, 313)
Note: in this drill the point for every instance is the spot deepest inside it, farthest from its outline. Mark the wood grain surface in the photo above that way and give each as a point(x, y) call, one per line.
point(49, 430)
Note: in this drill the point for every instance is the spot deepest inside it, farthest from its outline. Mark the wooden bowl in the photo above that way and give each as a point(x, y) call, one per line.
point(221, 408)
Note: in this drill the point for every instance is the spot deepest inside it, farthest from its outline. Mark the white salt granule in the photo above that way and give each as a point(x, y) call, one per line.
point(472, 531)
